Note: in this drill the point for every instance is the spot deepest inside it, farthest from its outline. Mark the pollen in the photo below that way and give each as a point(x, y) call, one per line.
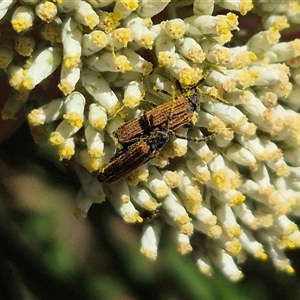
point(148, 253)
point(161, 191)
point(179, 148)
point(133, 218)
point(232, 21)
point(36, 118)
point(99, 39)
point(222, 180)
point(109, 21)
point(165, 59)
point(56, 139)
point(74, 119)
point(52, 32)
point(122, 64)
point(124, 35)
point(147, 41)
point(245, 6)
point(237, 199)
point(138, 175)
point(233, 248)
point(214, 231)
point(24, 45)
point(234, 231)
point(193, 201)
point(203, 176)
point(99, 123)
point(28, 83)
point(175, 28)
point(7, 115)
point(261, 255)
point(273, 35)
point(66, 87)
point(72, 60)
point(130, 5)
point(131, 102)
point(184, 248)
point(93, 163)
point(187, 229)
point(290, 270)
point(91, 20)
point(190, 76)
point(196, 55)
point(21, 23)
point(65, 152)
point(171, 179)
point(46, 11)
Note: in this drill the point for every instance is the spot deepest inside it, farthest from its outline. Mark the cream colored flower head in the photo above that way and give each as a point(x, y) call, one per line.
point(223, 199)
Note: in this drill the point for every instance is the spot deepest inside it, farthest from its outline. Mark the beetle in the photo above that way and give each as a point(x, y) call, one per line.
point(128, 159)
point(144, 137)
point(182, 112)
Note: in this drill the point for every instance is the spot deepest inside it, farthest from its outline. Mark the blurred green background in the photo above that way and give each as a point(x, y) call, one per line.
point(45, 253)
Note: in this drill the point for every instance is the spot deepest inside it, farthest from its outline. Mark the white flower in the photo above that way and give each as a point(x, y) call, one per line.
point(141, 34)
point(137, 62)
point(190, 49)
point(203, 7)
point(175, 28)
point(44, 63)
point(4, 7)
point(177, 214)
point(71, 39)
point(22, 19)
point(156, 184)
point(150, 8)
point(150, 239)
point(119, 38)
point(97, 116)
point(83, 204)
point(94, 141)
point(47, 113)
point(125, 7)
point(63, 131)
point(143, 197)
point(92, 187)
point(68, 79)
point(74, 109)
point(24, 45)
point(66, 149)
point(6, 54)
point(11, 107)
point(121, 201)
point(93, 42)
point(46, 11)
point(85, 15)
point(109, 62)
point(96, 85)
point(211, 25)
point(241, 6)
point(182, 242)
point(226, 264)
point(67, 6)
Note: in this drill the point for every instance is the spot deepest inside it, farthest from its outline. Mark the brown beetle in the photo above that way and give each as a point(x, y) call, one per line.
point(143, 138)
point(182, 112)
point(128, 159)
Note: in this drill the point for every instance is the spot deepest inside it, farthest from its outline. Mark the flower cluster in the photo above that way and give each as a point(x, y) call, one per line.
point(222, 200)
